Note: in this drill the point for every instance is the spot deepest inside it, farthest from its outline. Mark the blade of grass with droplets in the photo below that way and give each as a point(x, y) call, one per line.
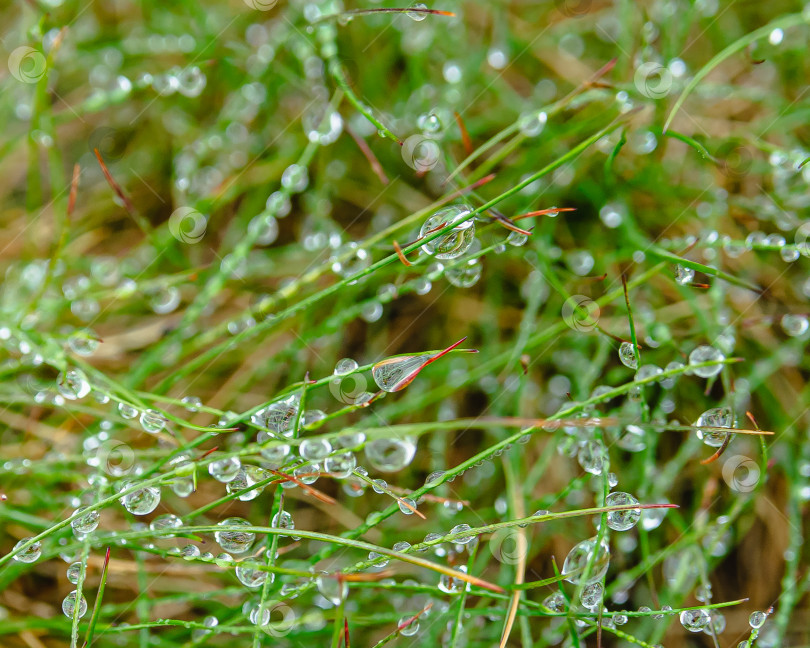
point(783, 22)
point(214, 352)
point(337, 540)
point(694, 265)
point(91, 629)
point(390, 364)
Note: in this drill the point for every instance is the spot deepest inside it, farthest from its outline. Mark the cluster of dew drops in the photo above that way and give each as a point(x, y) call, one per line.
point(450, 238)
point(316, 455)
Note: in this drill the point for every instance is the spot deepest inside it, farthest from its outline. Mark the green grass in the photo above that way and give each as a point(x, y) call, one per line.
point(207, 207)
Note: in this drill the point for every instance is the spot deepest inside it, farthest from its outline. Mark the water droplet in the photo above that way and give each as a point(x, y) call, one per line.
point(306, 473)
point(73, 572)
point(795, 325)
point(69, 605)
point(345, 366)
point(578, 558)
point(83, 343)
point(340, 465)
point(453, 241)
point(152, 421)
point(314, 449)
point(633, 439)
point(225, 470)
point(627, 355)
point(407, 506)
point(465, 275)
point(706, 353)
point(85, 523)
point(166, 521)
point(349, 259)
point(757, 619)
point(295, 178)
point(532, 123)
point(516, 239)
point(390, 455)
point(684, 275)
point(30, 554)
point(592, 458)
point(235, 542)
point(73, 384)
point(411, 628)
point(127, 411)
point(625, 519)
point(278, 204)
point(716, 417)
point(264, 227)
point(695, 620)
point(463, 529)
point(322, 124)
point(450, 584)
point(250, 576)
point(647, 371)
point(278, 417)
point(275, 454)
point(283, 520)
point(398, 372)
point(402, 545)
point(190, 551)
point(143, 501)
point(191, 403)
point(592, 595)
point(555, 602)
point(434, 478)
point(418, 16)
point(332, 589)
